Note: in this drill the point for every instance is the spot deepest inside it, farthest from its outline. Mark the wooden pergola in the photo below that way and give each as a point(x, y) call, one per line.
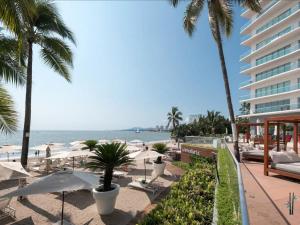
point(248, 126)
point(295, 120)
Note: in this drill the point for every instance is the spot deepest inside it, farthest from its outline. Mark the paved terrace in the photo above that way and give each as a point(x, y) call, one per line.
point(267, 196)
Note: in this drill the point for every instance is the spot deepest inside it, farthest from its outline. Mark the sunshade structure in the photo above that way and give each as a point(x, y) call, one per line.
point(12, 170)
point(10, 149)
point(61, 181)
point(132, 148)
point(143, 155)
point(136, 142)
point(77, 147)
point(119, 141)
point(103, 141)
point(77, 142)
point(72, 154)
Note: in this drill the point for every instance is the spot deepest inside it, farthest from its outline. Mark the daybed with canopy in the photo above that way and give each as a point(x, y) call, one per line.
point(286, 163)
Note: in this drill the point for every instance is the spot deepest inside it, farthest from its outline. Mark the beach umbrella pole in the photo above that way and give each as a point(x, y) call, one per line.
point(62, 208)
point(145, 169)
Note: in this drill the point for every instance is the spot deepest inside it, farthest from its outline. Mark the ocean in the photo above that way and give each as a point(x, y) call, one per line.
point(39, 137)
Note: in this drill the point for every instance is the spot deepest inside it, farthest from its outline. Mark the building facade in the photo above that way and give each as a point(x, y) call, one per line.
point(273, 61)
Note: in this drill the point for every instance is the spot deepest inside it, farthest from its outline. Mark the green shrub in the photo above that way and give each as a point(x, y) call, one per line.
point(160, 148)
point(228, 205)
point(190, 201)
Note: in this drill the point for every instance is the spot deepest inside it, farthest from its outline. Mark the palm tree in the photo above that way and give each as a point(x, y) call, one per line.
point(37, 22)
point(213, 118)
point(174, 117)
point(11, 71)
point(109, 156)
point(221, 22)
point(90, 144)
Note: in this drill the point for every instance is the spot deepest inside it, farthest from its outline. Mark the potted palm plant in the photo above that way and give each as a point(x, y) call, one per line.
point(107, 157)
point(158, 165)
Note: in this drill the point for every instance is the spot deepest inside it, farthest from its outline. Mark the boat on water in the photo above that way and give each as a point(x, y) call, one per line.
point(137, 130)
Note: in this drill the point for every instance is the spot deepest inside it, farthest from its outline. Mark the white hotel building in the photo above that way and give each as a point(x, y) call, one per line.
point(273, 61)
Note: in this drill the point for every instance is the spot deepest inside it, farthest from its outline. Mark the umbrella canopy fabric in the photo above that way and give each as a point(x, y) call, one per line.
point(58, 182)
point(147, 155)
point(44, 147)
point(71, 154)
point(136, 142)
point(132, 148)
point(103, 141)
point(77, 147)
point(10, 148)
point(118, 141)
point(12, 170)
point(77, 142)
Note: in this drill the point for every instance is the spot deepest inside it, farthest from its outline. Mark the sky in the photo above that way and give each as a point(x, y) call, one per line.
point(132, 63)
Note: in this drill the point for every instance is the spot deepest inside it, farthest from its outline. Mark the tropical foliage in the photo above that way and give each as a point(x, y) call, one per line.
point(37, 22)
point(190, 201)
point(90, 144)
point(109, 156)
point(245, 108)
point(174, 117)
point(211, 124)
point(220, 17)
point(11, 71)
point(160, 148)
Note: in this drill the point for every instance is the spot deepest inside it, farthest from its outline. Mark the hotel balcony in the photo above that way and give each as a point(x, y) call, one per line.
point(271, 93)
point(271, 42)
point(289, 52)
point(272, 110)
point(293, 69)
point(273, 24)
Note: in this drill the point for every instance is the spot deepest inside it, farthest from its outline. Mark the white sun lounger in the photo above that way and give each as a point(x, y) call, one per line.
point(147, 186)
point(6, 209)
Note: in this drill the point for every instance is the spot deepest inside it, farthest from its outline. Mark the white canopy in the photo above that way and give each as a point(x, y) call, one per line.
point(77, 147)
point(136, 142)
point(132, 148)
point(58, 182)
point(147, 155)
point(77, 142)
point(52, 146)
point(12, 170)
point(103, 141)
point(118, 141)
point(71, 154)
point(10, 148)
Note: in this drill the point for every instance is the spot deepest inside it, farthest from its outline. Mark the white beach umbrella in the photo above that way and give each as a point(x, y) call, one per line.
point(10, 149)
point(77, 142)
point(77, 147)
point(136, 142)
point(12, 170)
point(52, 146)
point(119, 141)
point(143, 155)
point(132, 148)
point(103, 141)
point(58, 182)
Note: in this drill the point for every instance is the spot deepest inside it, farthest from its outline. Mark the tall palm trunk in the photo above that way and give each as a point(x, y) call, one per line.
point(27, 120)
point(227, 90)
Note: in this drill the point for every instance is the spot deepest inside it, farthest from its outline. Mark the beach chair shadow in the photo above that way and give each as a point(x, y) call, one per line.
point(86, 199)
point(25, 221)
point(117, 216)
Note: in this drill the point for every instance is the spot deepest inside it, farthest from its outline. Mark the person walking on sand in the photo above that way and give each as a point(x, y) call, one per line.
point(35, 153)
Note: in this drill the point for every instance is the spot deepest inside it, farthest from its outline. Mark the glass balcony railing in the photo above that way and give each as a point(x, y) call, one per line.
point(273, 72)
point(272, 91)
point(272, 57)
point(273, 22)
point(265, 9)
point(277, 108)
point(270, 40)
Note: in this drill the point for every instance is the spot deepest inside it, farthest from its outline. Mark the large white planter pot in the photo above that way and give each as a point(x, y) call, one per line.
point(159, 169)
point(106, 201)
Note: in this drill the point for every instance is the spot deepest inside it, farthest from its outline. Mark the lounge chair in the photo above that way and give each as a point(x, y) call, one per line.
point(147, 185)
point(5, 209)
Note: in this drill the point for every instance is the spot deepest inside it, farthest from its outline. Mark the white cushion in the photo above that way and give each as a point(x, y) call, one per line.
point(284, 157)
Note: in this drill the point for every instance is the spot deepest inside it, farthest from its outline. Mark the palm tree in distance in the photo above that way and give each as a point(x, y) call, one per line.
point(11, 71)
point(220, 15)
point(213, 117)
point(37, 22)
point(174, 117)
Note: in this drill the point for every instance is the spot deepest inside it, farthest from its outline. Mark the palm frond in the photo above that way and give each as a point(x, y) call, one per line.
point(253, 5)
point(192, 14)
point(8, 116)
point(49, 21)
point(174, 3)
point(56, 63)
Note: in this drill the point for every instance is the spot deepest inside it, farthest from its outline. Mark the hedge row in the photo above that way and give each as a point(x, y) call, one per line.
point(190, 201)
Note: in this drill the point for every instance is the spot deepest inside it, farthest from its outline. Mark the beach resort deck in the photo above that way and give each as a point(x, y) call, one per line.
point(267, 196)
point(80, 207)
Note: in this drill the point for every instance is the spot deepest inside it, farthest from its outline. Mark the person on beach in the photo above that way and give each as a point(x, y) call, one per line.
point(38, 153)
point(35, 153)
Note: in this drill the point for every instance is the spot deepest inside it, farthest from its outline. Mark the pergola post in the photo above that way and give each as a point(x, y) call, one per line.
point(284, 136)
point(266, 147)
point(295, 137)
point(248, 134)
point(278, 137)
